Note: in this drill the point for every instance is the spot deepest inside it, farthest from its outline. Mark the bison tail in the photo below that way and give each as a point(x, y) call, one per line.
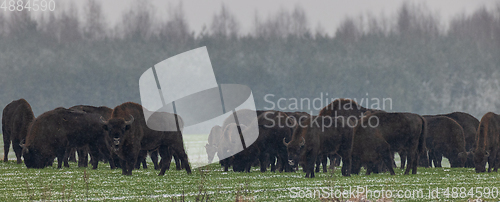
point(423, 135)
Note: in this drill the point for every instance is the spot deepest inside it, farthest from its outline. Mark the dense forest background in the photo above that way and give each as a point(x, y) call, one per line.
point(424, 65)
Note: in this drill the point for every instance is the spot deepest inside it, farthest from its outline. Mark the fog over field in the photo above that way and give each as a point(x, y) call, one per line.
point(411, 58)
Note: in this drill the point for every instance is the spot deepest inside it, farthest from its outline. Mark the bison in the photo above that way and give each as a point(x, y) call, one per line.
point(469, 125)
point(445, 137)
point(404, 132)
point(16, 118)
point(487, 143)
point(370, 148)
point(129, 134)
point(320, 135)
point(213, 142)
point(105, 112)
point(55, 132)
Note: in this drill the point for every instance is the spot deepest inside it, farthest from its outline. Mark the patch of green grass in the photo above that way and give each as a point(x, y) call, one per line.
point(21, 184)
point(17, 183)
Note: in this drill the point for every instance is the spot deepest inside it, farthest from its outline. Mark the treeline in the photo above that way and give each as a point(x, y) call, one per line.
point(424, 65)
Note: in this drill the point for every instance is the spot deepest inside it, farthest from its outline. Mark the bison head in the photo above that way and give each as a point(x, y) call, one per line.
point(32, 158)
point(116, 128)
point(480, 159)
point(294, 151)
point(211, 150)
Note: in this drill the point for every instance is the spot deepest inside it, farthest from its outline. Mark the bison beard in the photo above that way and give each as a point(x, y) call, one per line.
point(487, 143)
point(129, 134)
point(16, 118)
point(55, 132)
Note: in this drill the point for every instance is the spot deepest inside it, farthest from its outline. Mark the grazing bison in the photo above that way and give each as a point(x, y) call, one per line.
point(487, 143)
point(445, 137)
point(469, 124)
point(129, 134)
point(320, 135)
point(370, 148)
point(230, 145)
point(16, 118)
point(405, 133)
point(213, 142)
point(105, 112)
point(274, 126)
point(55, 132)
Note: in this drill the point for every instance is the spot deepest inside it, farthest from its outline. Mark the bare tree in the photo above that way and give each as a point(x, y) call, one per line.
point(95, 23)
point(138, 21)
point(21, 25)
point(176, 26)
point(224, 24)
point(348, 31)
point(2, 24)
point(69, 25)
point(299, 22)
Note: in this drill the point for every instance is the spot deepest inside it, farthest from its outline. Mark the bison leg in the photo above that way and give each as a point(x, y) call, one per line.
point(492, 160)
point(166, 158)
point(154, 158)
point(318, 164)
point(438, 158)
point(6, 146)
point(273, 162)
point(309, 167)
point(262, 159)
point(18, 150)
point(324, 160)
point(178, 164)
point(94, 154)
point(414, 163)
point(62, 156)
point(72, 155)
point(142, 157)
point(386, 157)
point(82, 157)
point(410, 159)
point(355, 165)
point(346, 162)
point(403, 157)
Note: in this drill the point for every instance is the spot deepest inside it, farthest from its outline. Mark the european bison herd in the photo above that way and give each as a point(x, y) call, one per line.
point(344, 130)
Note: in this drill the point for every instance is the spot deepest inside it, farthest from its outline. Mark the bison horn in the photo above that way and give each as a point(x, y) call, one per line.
point(487, 154)
point(284, 142)
point(130, 121)
point(103, 121)
point(303, 142)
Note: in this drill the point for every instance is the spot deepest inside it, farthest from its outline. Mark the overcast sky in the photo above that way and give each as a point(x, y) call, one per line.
point(329, 13)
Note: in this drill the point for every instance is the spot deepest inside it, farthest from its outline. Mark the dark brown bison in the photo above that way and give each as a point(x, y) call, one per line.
point(83, 152)
point(405, 132)
point(487, 143)
point(129, 134)
point(320, 135)
point(274, 126)
point(370, 148)
point(55, 132)
point(230, 142)
point(445, 137)
point(469, 124)
point(16, 118)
